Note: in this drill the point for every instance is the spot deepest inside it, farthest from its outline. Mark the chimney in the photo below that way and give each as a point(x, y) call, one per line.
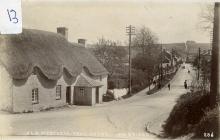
point(63, 31)
point(82, 42)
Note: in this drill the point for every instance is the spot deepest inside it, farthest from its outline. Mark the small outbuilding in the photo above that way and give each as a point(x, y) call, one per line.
point(87, 91)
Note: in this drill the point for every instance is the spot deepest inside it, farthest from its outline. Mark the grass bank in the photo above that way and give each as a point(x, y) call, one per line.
point(164, 82)
point(192, 114)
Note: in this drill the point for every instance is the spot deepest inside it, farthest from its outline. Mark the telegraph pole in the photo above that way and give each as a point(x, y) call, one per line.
point(172, 54)
point(187, 51)
point(215, 68)
point(199, 63)
point(130, 30)
point(161, 63)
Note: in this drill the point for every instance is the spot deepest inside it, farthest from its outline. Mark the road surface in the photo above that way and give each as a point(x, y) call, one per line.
point(124, 118)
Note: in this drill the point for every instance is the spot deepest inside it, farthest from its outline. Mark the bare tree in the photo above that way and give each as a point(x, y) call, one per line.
point(110, 54)
point(210, 21)
point(145, 39)
point(206, 18)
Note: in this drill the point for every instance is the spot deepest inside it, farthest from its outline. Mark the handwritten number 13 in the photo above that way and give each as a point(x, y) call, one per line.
point(12, 16)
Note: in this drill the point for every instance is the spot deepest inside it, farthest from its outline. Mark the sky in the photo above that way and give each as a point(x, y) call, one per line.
point(171, 21)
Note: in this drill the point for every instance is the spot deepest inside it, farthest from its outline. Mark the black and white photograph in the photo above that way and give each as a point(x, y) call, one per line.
point(107, 69)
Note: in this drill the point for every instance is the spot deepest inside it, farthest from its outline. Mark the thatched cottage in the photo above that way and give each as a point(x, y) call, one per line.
point(40, 70)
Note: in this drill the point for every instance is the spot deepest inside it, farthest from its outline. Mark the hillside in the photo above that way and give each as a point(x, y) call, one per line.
point(180, 48)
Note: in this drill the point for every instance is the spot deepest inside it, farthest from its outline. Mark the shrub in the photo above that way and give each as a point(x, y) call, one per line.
point(208, 126)
point(27, 111)
point(136, 88)
point(187, 112)
point(139, 80)
point(107, 98)
point(111, 85)
point(152, 91)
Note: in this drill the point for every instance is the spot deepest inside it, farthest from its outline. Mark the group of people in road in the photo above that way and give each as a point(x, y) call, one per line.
point(185, 85)
point(169, 85)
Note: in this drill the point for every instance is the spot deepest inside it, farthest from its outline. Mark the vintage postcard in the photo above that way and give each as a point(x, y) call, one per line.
point(97, 69)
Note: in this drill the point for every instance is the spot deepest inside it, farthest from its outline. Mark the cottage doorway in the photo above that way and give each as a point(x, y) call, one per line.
point(97, 94)
point(68, 94)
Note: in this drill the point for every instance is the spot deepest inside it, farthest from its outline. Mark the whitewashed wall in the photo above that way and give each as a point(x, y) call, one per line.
point(104, 82)
point(5, 90)
point(16, 95)
point(47, 96)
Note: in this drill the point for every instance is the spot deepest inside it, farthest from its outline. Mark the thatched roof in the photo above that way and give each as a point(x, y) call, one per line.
point(84, 81)
point(48, 51)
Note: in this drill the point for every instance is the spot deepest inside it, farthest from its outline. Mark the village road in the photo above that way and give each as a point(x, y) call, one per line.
point(124, 118)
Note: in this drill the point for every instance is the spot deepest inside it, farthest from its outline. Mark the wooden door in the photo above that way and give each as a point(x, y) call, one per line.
point(97, 95)
point(68, 94)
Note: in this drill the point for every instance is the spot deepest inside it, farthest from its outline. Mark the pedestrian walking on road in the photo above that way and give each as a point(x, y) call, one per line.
point(168, 86)
point(154, 82)
point(185, 84)
point(159, 85)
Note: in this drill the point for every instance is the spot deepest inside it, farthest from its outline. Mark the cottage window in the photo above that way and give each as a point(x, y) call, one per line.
point(58, 92)
point(35, 97)
point(82, 91)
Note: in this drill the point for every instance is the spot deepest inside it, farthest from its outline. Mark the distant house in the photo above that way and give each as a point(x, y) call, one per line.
point(167, 59)
point(40, 70)
point(193, 50)
point(166, 62)
point(170, 59)
point(206, 55)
